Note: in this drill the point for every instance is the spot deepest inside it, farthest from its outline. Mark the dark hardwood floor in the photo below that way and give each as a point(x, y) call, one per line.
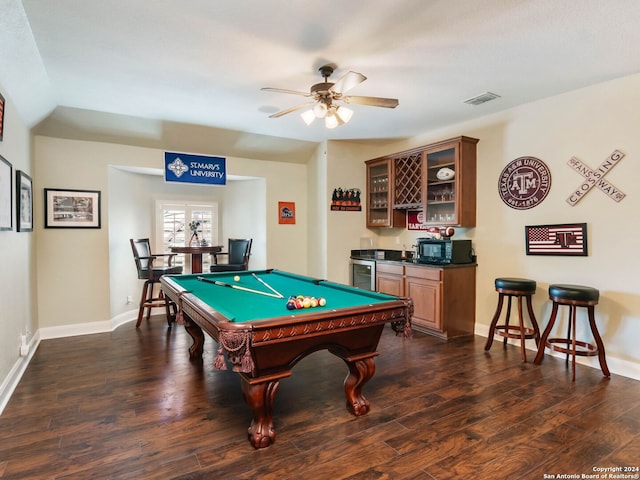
point(130, 405)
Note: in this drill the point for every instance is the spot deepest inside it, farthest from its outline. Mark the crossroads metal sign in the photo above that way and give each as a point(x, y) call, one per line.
point(595, 178)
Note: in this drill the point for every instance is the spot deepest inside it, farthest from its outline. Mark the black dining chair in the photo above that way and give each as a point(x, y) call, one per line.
point(150, 269)
point(238, 256)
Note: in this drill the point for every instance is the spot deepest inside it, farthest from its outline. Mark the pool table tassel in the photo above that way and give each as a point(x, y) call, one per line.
point(236, 346)
point(247, 361)
point(180, 315)
point(219, 362)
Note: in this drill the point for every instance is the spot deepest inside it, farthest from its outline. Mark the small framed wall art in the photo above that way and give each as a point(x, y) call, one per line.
point(71, 208)
point(24, 202)
point(287, 213)
point(6, 194)
point(1, 116)
point(569, 239)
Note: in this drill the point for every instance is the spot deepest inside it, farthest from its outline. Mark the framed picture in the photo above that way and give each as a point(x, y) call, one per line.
point(6, 194)
point(1, 116)
point(569, 239)
point(71, 208)
point(24, 202)
point(287, 213)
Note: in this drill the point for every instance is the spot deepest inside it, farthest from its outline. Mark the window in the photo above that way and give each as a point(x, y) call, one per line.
point(172, 226)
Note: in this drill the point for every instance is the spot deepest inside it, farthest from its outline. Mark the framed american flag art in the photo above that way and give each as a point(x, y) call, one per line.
point(568, 239)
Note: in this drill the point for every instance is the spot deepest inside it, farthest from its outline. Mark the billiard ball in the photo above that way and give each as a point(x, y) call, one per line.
point(321, 302)
point(236, 278)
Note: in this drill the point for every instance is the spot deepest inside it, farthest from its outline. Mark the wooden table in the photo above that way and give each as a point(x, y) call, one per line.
point(196, 254)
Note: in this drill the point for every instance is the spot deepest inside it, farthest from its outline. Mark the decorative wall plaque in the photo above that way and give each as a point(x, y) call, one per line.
point(595, 178)
point(287, 213)
point(346, 200)
point(569, 239)
point(524, 183)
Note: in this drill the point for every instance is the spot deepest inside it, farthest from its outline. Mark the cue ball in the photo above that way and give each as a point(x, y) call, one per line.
point(236, 278)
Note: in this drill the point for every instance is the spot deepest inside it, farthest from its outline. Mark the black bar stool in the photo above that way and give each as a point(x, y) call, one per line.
point(514, 287)
point(574, 296)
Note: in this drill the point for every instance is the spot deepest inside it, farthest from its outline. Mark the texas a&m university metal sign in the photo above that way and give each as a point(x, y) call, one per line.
point(524, 183)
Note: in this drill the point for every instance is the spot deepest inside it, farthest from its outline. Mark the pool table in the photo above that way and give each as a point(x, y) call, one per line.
point(262, 340)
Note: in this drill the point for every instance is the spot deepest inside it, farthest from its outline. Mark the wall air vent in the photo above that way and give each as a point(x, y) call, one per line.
point(482, 98)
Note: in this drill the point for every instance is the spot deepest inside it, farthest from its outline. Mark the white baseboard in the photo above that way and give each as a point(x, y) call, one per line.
point(88, 328)
point(11, 381)
point(616, 365)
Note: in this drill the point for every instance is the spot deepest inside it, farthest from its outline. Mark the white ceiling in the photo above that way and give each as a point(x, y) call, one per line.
point(203, 62)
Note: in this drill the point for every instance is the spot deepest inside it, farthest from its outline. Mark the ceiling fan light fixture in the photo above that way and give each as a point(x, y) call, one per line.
point(331, 120)
point(320, 109)
point(344, 114)
point(308, 116)
point(325, 95)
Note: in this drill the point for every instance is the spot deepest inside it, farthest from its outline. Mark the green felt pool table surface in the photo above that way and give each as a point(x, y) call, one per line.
point(241, 306)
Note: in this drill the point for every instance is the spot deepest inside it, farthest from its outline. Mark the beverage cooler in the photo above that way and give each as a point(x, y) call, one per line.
point(362, 274)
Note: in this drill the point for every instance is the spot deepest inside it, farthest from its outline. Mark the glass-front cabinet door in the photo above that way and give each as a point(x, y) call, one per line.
point(380, 211)
point(449, 188)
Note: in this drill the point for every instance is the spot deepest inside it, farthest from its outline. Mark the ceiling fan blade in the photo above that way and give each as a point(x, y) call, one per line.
point(348, 81)
point(291, 109)
point(372, 101)
point(282, 90)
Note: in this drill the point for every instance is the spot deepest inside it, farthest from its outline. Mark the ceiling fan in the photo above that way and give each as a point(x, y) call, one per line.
point(326, 94)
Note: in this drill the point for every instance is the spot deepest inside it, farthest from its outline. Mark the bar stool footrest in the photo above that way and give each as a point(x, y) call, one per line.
point(582, 348)
point(506, 331)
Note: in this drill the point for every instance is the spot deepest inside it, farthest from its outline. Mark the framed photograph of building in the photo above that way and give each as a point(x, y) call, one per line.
point(71, 208)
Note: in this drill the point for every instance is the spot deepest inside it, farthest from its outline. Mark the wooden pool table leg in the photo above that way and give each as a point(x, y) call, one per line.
point(197, 347)
point(260, 395)
point(361, 369)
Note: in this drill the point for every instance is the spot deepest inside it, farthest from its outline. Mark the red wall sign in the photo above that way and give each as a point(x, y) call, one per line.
point(287, 213)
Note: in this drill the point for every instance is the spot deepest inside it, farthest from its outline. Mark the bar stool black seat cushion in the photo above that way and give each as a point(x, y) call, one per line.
point(518, 284)
point(574, 292)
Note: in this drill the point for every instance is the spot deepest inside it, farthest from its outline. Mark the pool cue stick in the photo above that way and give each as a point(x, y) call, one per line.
point(267, 285)
point(237, 287)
